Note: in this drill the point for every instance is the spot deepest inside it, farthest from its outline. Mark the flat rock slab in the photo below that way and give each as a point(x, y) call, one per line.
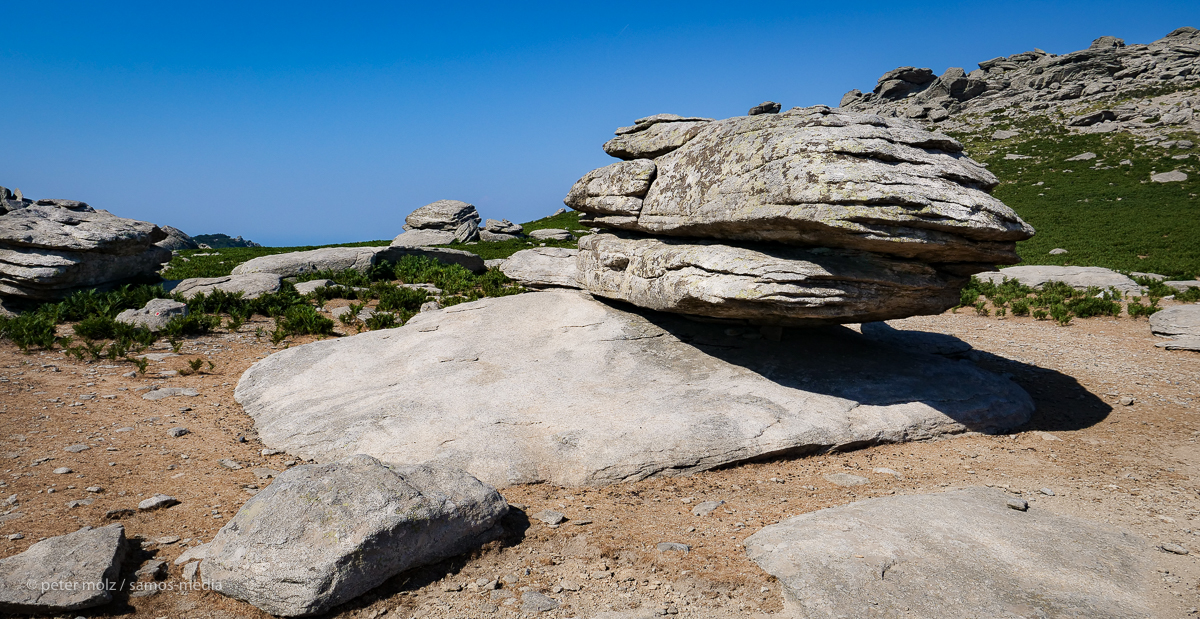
point(167, 392)
point(321, 535)
point(155, 315)
point(68, 572)
point(1178, 321)
point(297, 263)
point(558, 387)
point(1080, 278)
point(955, 554)
point(251, 286)
point(543, 267)
point(1182, 343)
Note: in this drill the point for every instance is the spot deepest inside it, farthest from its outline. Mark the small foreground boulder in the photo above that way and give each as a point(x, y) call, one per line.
point(322, 535)
point(955, 554)
point(155, 315)
point(68, 572)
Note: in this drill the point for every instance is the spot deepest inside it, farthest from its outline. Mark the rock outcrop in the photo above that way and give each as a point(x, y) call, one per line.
point(963, 553)
point(177, 240)
point(155, 315)
point(1069, 89)
point(251, 286)
point(1181, 321)
point(812, 215)
point(440, 223)
point(69, 572)
point(321, 535)
point(51, 248)
point(543, 267)
point(361, 259)
point(558, 387)
point(1082, 278)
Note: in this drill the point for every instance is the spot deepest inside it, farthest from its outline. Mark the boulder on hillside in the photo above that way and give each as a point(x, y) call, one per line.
point(826, 178)
point(177, 240)
point(424, 238)
point(251, 286)
point(543, 267)
point(51, 248)
point(552, 387)
point(297, 263)
point(1080, 278)
point(454, 216)
point(503, 226)
point(155, 315)
point(762, 283)
point(64, 573)
point(962, 553)
point(655, 135)
point(321, 535)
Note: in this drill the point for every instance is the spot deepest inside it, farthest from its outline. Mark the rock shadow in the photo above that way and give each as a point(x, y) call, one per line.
point(984, 392)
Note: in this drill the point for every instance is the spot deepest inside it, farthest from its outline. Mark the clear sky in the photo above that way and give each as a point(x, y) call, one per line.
point(302, 122)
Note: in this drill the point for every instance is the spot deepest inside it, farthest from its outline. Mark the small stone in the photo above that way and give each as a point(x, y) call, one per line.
point(158, 501)
point(16, 536)
point(1057, 251)
point(165, 540)
point(510, 579)
point(604, 575)
point(1126, 401)
point(1018, 504)
point(117, 514)
point(706, 508)
point(1174, 549)
point(1047, 491)
point(766, 107)
point(534, 602)
point(846, 479)
point(550, 516)
point(152, 570)
point(62, 470)
point(76, 448)
point(270, 452)
point(178, 431)
point(189, 571)
point(265, 473)
point(673, 547)
point(569, 585)
point(883, 471)
point(229, 464)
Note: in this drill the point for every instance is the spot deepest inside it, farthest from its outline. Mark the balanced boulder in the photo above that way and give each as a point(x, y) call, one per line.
point(69, 572)
point(321, 535)
point(440, 223)
point(51, 248)
point(559, 387)
point(813, 215)
point(177, 240)
point(962, 553)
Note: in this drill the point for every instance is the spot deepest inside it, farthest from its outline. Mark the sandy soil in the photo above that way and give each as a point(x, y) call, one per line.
point(1134, 466)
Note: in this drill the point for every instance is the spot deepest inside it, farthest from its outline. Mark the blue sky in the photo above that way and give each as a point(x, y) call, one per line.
point(297, 123)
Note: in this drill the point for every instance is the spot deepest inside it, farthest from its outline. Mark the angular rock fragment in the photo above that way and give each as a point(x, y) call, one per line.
point(615, 189)
point(155, 315)
point(69, 572)
point(321, 535)
point(543, 267)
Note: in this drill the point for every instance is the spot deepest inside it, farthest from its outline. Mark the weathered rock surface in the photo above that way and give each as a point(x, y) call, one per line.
point(766, 107)
point(763, 283)
point(251, 286)
point(615, 189)
point(155, 315)
point(1183, 285)
point(553, 234)
point(296, 263)
point(312, 285)
point(423, 238)
point(177, 240)
point(80, 567)
point(1178, 321)
point(1081, 278)
point(543, 267)
point(51, 248)
point(503, 226)
point(321, 535)
point(552, 387)
point(828, 178)
point(653, 136)
point(955, 554)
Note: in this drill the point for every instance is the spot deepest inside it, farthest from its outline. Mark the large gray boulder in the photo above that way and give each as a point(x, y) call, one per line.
point(51, 248)
point(655, 135)
point(615, 189)
point(962, 553)
point(828, 178)
point(454, 216)
point(558, 387)
point(69, 572)
point(296, 263)
point(1081, 278)
point(1178, 321)
point(321, 535)
point(543, 267)
point(251, 286)
point(423, 238)
point(155, 315)
point(177, 240)
point(764, 283)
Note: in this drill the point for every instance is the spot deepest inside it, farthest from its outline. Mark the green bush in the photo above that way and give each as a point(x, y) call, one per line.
point(305, 320)
point(394, 298)
point(28, 330)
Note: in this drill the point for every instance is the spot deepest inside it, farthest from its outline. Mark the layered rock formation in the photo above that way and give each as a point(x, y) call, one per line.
point(50, 248)
point(440, 223)
point(1075, 84)
point(812, 215)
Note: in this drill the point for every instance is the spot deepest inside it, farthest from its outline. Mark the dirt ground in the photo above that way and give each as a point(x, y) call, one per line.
point(1134, 466)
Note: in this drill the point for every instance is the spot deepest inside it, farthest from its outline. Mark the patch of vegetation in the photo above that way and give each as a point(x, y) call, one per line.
point(1054, 300)
point(1102, 212)
point(220, 262)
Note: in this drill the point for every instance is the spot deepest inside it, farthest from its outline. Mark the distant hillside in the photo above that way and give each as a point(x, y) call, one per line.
point(1095, 148)
point(218, 241)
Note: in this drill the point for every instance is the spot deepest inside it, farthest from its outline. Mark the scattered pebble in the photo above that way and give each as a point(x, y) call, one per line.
point(1175, 549)
point(178, 431)
point(550, 516)
point(62, 470)
point(1018, 504)
point(706, 508)
point(158, 501)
